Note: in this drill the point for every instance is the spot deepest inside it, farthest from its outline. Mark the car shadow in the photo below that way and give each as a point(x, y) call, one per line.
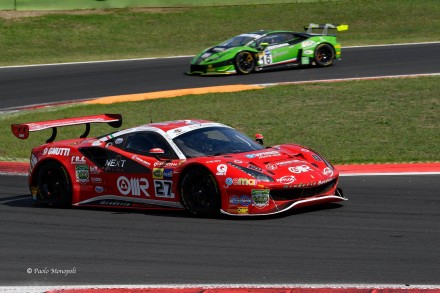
point(25, 201)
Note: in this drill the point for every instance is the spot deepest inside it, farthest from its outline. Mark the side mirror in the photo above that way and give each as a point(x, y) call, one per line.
point(263, 46)
point(156, 152)
point(259, 138)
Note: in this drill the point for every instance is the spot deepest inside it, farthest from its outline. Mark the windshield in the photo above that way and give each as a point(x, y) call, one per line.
point(238, 41)
point(214, 141)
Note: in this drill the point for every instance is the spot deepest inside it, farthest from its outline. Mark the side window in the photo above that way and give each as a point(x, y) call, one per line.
point(143, 142)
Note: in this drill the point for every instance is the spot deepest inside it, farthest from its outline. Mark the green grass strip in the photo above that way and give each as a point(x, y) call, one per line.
point(393, 120)
point(137, 33)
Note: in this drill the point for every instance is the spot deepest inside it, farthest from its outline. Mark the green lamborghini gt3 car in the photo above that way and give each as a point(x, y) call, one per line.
point(270, 49)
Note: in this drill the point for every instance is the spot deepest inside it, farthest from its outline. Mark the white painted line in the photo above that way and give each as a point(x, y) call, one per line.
point(391, 45)
point(350, 79)
point(93, 62)
point(188, 56)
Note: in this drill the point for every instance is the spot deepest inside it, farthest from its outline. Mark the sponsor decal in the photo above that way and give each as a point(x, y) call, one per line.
point(133, 186)
point(263, 155)
point(165, 164)
point(140, 160)
point(274, 166)
point(117, 162)
point(74, 160)
point(260, 198)
point(94, 170)
point(287, 179)
point(82, 173)
point(161, 173)
point(243, 200)
point(163, 188)
point(240, 181)
point(242, 210)
point(222, 169)
point(167, 173)
point(57, 151)
point(308, 43)
point(96, 179)
point(213, 161)
point(97, 143)
point(308, 52)
point(157, 173)
point(119, 140)
point(277, 46)
point(300, 169)
point(99, 189)
point(115, 203)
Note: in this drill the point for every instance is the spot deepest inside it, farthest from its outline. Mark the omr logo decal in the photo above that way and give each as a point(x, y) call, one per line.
point(133, 186)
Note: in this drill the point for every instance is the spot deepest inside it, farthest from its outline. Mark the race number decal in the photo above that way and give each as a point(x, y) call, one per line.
point(265, 58)
point(163, 188)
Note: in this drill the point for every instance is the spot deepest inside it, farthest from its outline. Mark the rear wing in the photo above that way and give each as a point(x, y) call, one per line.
point(325, 27)
point(21, 131)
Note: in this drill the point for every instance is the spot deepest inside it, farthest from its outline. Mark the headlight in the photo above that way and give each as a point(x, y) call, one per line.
point(257, 175)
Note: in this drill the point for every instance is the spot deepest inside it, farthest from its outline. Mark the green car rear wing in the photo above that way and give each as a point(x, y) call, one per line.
point(325, 27)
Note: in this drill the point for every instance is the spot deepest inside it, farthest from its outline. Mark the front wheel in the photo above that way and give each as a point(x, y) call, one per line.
point(54, 185)
point(244, 62)
point(324, 55)
point(200, 194)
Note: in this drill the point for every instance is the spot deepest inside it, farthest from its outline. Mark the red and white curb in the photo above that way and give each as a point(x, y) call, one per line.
point(244, 288)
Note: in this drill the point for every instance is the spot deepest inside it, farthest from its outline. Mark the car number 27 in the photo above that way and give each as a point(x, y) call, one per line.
point(163, 188)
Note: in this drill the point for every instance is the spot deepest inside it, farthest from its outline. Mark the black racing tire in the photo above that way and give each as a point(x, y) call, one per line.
point(199, 193)
point(54, 185)
point(244, 62)
point(324, 55)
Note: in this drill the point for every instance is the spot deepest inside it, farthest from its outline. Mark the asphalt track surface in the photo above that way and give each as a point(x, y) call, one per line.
point(23, 86)
point(387, 233)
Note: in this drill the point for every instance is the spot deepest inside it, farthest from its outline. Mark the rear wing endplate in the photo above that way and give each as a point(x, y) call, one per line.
point(326, 27)
point(21, 131)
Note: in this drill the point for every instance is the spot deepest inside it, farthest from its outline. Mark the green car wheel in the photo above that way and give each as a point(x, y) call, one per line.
point(324, 55)
point(244, 62)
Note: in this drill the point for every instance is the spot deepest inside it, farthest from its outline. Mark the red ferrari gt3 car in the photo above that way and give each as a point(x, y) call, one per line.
point(205, 167)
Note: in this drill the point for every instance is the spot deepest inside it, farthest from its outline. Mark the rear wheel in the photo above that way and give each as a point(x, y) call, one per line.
point(200, 194)
point(54, 185)
point(244, 62)
point(324, 55)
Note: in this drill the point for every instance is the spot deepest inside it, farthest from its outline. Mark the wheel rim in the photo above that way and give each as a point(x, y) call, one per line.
point(53, 185)
point(246, 62)
point(324, 54)
point(200, 195)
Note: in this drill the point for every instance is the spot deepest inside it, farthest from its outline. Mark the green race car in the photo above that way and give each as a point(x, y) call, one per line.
point(269, 49)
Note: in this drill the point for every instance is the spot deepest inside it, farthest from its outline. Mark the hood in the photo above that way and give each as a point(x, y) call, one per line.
point(287, 165)
point(212, 54)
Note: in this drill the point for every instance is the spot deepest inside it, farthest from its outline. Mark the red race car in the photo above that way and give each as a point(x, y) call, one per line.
point(205, 167)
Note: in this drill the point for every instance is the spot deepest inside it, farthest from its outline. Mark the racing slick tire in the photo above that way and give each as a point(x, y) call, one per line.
point(54, 185)
point(324, 55)
point(244, 62)
point(199, 193)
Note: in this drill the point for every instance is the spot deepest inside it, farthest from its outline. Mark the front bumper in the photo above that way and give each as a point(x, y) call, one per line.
point(226, 67)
